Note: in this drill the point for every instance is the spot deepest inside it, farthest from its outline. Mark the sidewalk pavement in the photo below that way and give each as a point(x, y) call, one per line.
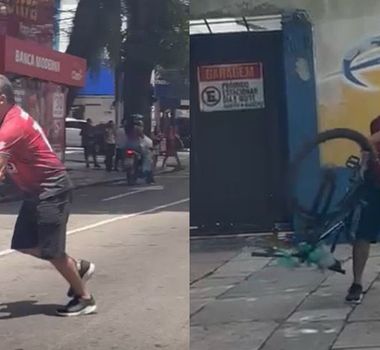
point(83, 177)
point(243, 303)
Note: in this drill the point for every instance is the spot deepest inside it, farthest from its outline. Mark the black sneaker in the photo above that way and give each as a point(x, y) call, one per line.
point(355, 294)
point(77, 307)
point(86, 269)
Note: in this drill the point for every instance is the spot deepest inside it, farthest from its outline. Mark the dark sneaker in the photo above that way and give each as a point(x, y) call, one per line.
point(77, 307)
point(355, 294)
point(86, 269)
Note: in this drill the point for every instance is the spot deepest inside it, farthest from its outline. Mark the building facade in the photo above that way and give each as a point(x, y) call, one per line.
point(346, 38)
point(40, 75)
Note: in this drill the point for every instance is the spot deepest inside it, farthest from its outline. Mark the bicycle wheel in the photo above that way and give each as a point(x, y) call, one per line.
point(324, 194)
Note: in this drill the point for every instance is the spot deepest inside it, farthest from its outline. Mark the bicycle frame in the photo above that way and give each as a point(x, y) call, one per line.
point(326, 226)
point(317, 228)
point(347, 217)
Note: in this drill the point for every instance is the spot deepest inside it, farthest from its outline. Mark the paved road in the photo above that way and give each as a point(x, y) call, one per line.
point(138, 239)
point(76, 155)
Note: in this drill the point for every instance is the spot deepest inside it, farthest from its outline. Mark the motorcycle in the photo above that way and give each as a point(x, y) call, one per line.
point(133, 166)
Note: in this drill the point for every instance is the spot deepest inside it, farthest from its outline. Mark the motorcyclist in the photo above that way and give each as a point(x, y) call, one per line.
point(133, 132)
point(143, 145)
point(146, 146)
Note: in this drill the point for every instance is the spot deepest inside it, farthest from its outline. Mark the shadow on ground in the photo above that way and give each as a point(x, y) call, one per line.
point(26, 308)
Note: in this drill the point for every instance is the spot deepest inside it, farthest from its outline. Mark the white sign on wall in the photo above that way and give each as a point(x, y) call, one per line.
point(231, 87)
point(58, 105)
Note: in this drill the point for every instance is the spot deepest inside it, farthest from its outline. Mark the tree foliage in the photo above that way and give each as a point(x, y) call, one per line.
point(157, 32)
point(138, 36)
point(96, 28)
point(156, 35)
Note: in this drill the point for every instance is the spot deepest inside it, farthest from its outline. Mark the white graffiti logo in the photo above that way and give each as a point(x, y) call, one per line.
point(77, 75)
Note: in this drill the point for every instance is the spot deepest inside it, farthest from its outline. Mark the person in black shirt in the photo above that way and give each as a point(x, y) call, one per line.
point(88, 143)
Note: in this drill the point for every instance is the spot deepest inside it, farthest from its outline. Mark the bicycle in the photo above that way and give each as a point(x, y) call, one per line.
point(318, 227)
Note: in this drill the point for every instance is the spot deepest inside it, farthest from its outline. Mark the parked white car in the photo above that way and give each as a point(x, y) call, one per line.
point(73, 129)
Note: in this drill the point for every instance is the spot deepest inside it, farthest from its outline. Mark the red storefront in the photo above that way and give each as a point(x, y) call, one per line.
point(31, 20)
point(41, 78)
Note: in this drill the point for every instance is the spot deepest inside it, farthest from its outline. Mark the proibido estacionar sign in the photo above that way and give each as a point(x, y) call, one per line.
point(231, 87)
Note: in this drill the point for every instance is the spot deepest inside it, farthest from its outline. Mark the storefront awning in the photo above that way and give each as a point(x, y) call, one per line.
point(26, 58)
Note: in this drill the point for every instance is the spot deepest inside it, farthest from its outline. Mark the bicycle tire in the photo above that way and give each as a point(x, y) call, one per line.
point(328, 135)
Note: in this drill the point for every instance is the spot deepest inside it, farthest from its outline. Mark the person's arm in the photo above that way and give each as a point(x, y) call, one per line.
point(3, 167)
point(149, 143)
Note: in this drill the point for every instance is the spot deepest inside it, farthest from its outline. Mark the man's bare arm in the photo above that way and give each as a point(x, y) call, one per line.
point(3, 166)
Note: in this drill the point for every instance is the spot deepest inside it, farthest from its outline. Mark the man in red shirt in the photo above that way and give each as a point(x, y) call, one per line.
point(27, 157)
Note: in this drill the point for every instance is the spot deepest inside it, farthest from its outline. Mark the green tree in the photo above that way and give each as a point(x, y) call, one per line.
point(156, 35)
point(96, 31)
point(138, 35)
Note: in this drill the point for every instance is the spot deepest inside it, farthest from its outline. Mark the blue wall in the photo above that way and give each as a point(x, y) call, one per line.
point(99, 84)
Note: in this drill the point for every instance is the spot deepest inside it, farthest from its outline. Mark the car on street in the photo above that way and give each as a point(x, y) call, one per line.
point(73, 130)
point(74, 138)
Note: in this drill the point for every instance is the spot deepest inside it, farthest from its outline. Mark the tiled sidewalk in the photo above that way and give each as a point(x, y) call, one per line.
point(253, 304)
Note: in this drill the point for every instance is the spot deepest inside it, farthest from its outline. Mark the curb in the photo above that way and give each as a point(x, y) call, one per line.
point(14, 198)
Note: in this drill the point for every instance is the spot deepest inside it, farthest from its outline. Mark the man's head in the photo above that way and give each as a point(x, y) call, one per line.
point(7, 96)
point(139, 127)
point(375, 125)
point(89, 121)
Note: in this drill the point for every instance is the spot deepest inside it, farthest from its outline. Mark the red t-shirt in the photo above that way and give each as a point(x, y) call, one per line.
point(32, 164)
point(374, 167)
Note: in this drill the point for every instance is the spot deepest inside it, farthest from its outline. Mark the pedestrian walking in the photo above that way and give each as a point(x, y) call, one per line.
point(121, 144)
point(173, 145)
point(369, 223)
point(110, 143)
point(89, 143)
point(157, 137)
point(40, 231)
point(146, 147)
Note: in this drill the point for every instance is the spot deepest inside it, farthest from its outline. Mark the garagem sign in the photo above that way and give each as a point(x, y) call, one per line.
point(29, 59)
